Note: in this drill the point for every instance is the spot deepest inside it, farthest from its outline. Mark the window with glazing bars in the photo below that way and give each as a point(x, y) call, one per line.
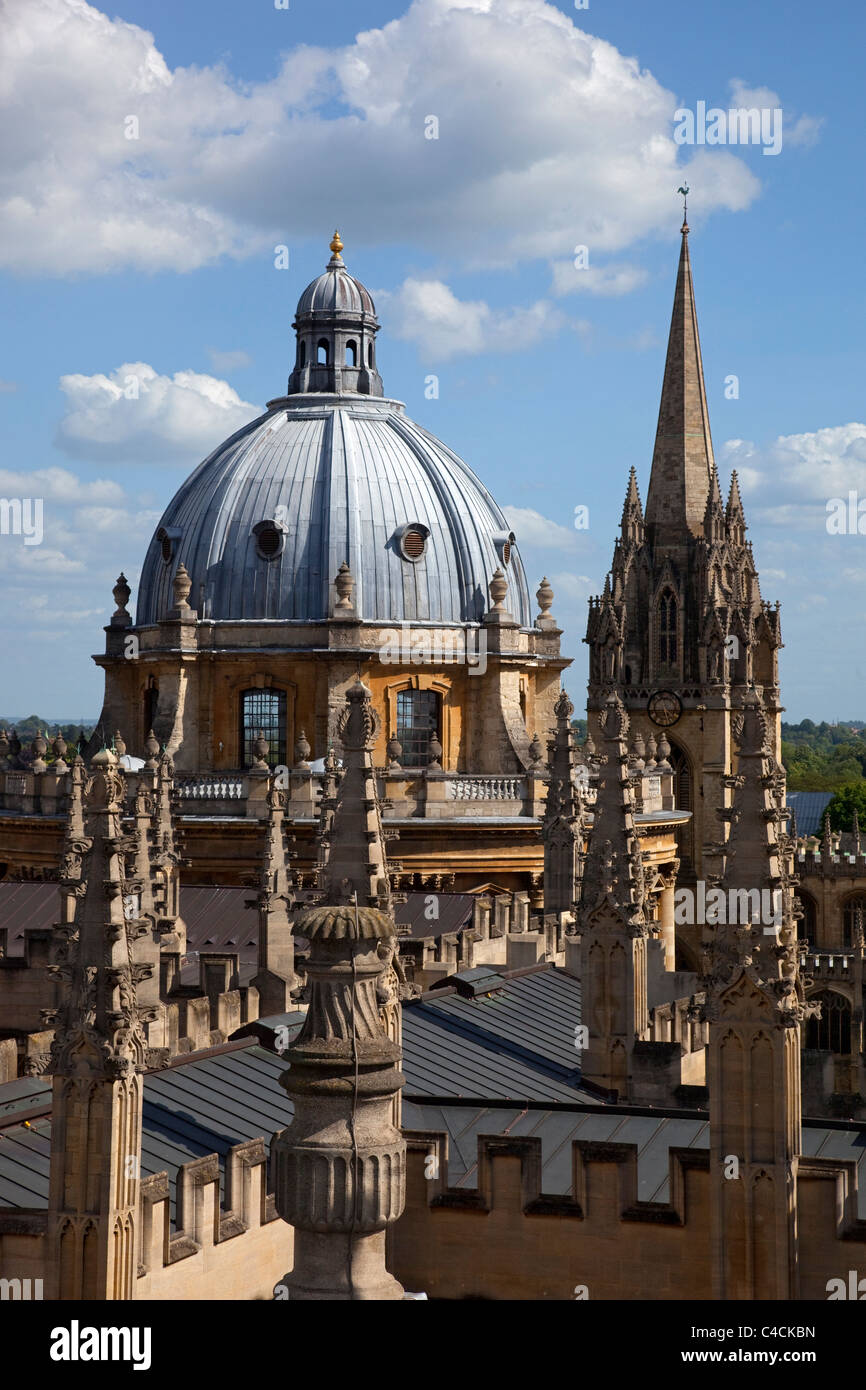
point(668, 629)
point(265, 710)
point(417, 722)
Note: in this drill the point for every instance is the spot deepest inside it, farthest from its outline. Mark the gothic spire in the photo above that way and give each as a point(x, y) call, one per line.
point(683, 454)
point(735, 517)
point(562, 824)
point(632, 523)
point(108, 969)
point(613, 873)
point(714, 515)
point(276, 977)
point(352, 844)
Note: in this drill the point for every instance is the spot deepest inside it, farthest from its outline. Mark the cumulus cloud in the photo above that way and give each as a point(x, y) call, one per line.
point(429, 314)
point(546, 136)
point(604, 280)
point(137, 415)
point(796, 130)
point(58, 485)
point(795, 475)
point(531, 528)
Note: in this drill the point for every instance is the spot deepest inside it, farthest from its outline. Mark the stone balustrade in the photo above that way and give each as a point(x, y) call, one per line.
point(405, 793)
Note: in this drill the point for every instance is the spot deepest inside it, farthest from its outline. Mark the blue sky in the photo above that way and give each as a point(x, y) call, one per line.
point(153, 258)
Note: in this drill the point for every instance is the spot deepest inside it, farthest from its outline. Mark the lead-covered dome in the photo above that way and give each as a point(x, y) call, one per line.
point(333, 474)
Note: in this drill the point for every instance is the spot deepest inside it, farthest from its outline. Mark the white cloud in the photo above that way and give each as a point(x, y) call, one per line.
point(58, 485)
point(137, 415)
point(531, 528)
point(230, 361)
point(548, 137)
point(572, 588)
point(796, 130)
point(429, 314)
point(795, 476)
point(604, 280)
point(7, 388)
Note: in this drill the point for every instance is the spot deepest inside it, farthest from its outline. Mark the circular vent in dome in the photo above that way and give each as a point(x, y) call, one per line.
point(269, 540)
point(165, 545)
point(412, 542)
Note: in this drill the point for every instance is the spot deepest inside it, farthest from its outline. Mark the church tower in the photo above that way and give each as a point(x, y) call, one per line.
point(681, 631)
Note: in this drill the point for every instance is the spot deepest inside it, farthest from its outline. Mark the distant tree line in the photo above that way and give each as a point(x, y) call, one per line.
point(76, 735)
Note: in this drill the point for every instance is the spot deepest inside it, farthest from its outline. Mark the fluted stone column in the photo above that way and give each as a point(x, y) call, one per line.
point(340, 1167)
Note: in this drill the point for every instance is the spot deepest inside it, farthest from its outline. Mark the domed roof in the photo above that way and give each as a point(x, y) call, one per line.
point(335, 289)
point(264, 524)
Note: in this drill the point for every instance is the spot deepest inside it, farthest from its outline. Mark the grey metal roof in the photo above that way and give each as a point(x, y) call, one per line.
point(348, 473)
point(809, 808)
point(205, 1105)
point(335, 289)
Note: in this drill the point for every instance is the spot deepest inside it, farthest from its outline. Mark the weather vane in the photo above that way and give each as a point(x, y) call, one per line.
point(685, 192)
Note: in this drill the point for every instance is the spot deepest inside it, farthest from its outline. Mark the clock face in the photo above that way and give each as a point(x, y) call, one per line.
point(664, 708)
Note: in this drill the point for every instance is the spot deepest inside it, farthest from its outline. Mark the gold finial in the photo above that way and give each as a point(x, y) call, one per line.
point(336, 244)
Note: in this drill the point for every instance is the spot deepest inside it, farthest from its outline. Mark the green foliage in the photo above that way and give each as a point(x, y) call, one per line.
point(28, 728)
point(580, 727)
point(846, 801)
point(824, 757)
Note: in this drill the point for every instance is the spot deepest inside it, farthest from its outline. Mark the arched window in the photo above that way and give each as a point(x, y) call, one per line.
point(303, 355)
point(323, 352)
point(418, 719)
point(806, 923)
point(832, 1031)
point(682, 778)
point(849, 918)
point(369, 354)
point(352, 353)
point(667, 619)
point(265, 710)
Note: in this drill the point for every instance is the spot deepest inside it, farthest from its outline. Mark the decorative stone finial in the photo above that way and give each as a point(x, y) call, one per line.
point(182, 585)
point(498, 587)
point(664, 752)
point(119, 744)
point(544, 594)
point(435, 750)
point(59, 749)
point(395, 753)
point(344, 584)
point(151, 748)
point(261, 748)
point(536, 752)
point(39, 747)
point(638, 751)
point(649, 765)
point(4, 748)
point(121, 592)
point(302, 750)
point(14, 746)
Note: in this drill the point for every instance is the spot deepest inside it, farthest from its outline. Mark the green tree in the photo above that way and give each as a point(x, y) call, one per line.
point(847, 800)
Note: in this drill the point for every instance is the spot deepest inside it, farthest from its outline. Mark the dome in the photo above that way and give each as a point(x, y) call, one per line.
point(264, 524)
point(333, 474)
